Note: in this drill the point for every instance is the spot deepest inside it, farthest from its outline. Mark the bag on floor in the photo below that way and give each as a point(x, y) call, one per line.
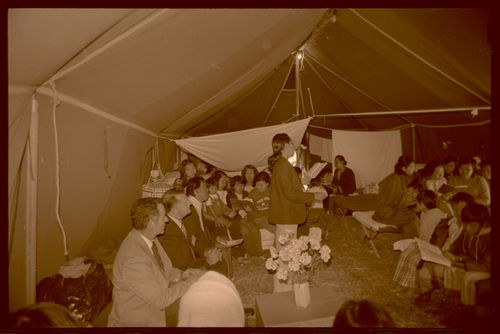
point(85, 297)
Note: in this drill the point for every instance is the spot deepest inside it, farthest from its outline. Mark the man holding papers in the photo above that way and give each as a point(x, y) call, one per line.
point(470, 258)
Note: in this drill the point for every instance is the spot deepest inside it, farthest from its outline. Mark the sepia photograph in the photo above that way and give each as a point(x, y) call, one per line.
point(249, 167)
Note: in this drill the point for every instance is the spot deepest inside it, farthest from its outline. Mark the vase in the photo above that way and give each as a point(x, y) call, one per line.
point(302, 294)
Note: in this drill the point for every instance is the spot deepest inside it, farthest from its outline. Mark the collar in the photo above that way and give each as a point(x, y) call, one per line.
point(147, 241)
point(177, 221)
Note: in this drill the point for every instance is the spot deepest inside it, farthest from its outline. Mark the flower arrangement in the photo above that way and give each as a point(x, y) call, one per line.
point(298, 258)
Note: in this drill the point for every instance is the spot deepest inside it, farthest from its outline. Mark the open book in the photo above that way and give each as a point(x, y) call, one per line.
point(432, 253)
point(313, 172)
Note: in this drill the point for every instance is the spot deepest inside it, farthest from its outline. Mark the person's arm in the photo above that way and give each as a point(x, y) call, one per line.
point(483, 196)
point(171, 244)
point(349, 182)
point(282, 174)
point(138, 273)
point(210, 216)
point(483, 262)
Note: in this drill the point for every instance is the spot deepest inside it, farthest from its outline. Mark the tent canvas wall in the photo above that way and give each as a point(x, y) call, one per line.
point(118, 78)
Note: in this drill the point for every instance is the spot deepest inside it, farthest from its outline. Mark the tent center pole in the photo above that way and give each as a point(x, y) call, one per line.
point(31, 205)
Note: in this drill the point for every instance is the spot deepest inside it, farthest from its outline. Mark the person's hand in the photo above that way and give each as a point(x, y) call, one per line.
point(192, 273)
point(232, 214)
point(213, 255)
point(320, 196)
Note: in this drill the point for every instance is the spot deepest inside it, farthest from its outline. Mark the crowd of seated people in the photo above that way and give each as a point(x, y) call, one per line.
point(446, 204)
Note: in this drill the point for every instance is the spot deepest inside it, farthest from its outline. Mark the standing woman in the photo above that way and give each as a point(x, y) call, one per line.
point(344, 182)
point(287, 207)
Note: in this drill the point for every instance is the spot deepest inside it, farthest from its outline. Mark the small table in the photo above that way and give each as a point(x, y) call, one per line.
point(279, 309)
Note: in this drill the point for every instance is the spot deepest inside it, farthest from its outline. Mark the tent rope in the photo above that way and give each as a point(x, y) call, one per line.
point(449, 77)
point(55, 104)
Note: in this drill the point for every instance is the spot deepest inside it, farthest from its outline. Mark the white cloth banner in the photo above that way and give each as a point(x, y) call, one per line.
point(233, 150)
point(321, 146)
point(371, 155)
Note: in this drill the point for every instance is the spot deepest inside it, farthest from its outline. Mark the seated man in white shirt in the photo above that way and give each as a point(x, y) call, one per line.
point(145, 284)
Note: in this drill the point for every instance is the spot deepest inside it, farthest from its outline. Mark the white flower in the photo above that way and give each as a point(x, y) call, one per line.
point(285, 255)
point(315, 244)
point(284, 238)
point(325, 253)
point(294, 266)
point(305, 259)
point(315, 233)
point(271, 264)
point(325, 257)
point(274, 252)
point(282, 274)
point(303, 241)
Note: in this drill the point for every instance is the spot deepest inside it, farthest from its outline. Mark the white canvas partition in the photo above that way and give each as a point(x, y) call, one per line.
point(233, 150)
point(371, 155)
point(322, 147)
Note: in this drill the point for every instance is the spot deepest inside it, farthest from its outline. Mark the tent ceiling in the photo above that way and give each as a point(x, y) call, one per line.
point(199, 71)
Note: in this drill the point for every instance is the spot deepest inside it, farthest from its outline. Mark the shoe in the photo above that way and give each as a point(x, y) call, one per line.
point(423, 298)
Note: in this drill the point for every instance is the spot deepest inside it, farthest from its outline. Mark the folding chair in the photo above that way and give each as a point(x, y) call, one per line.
point(371, 228)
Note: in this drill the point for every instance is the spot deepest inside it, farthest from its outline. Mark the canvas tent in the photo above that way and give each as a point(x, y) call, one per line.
point(92, 90)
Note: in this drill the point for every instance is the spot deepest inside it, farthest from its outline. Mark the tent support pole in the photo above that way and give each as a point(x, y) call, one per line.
point(279, 94)
point(413, 138)
point(31, 205)
point(297, 85)
point(403, 112)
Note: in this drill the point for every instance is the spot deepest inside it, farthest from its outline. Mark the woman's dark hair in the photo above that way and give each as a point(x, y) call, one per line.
point(362, 313)
point(236, 179)
point(466, 161)
point(193, 184)
point(262, 176)
point(184, 163)
point(211, 181)
point(217, 175)
point(462, 197)
point(403, 161)
point(244, 171)
point(278, 145)
point(428, 198)
point(474, 212)
point(449, 158)
point(341, 159)
point(430, 167)
point(44, 315)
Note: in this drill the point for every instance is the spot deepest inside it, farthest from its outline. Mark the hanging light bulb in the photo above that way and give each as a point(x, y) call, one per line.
point(333, 18)
point(300, 55)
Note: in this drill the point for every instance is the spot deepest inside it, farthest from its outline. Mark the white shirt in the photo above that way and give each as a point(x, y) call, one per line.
point(428, 221)
point(148, 242)
point(197, 205)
